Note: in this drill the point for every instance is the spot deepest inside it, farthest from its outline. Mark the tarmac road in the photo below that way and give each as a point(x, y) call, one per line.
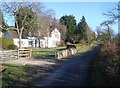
point(75, 72)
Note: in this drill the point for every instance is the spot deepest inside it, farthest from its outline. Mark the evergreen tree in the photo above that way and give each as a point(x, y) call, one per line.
point(70, 23)
point(83, 29)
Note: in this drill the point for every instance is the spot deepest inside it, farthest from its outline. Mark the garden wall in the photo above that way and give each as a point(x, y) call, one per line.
point(69, 52)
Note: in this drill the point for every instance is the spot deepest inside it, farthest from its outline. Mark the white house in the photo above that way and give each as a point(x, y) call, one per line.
point(49, 41)
point(24, 42)
point(52, 40)
point(14, 35)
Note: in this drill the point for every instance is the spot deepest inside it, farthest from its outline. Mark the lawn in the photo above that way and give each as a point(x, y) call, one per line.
point(45, 53)
point(13, 75)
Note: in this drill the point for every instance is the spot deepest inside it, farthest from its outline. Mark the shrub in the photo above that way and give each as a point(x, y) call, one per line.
point(12, 46)
point(6, 42)
point(109, 61)
point(70, 46)
point(79, 45)
point(62, 43)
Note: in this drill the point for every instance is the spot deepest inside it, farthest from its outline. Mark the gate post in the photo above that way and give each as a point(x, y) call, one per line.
point(18, 53)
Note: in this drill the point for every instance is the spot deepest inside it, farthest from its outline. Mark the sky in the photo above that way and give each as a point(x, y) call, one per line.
point(93, 11)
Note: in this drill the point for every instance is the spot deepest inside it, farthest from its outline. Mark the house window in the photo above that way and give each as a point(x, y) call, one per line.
point(30, 42)
point(57, 36)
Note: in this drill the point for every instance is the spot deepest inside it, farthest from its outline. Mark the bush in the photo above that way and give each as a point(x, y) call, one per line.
point(6, 42)
point(79, 45)
point(12, 47)
point(70, 46)
point(62, 43)
point(108, 61)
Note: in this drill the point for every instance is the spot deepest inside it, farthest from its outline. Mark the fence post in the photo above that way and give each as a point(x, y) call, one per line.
point(18, 53)
point(30, 52)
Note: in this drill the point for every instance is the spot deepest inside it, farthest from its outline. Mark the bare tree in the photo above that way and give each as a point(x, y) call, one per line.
point(43, 24)
point(113, 14)
point(107, 24)
point(13, 9)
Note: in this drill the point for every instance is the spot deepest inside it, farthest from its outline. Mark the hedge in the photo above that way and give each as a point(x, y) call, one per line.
point(6, 42)
point(12, 47)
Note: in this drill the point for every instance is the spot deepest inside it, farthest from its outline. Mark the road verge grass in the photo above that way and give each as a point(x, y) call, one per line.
point(13, 75)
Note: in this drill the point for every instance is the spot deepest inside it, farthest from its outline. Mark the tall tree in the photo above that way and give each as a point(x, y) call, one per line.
point(44, 21)
point(2, 21)
point(114, 17)
point(14, 9)
point(103, 35)
point(29, 20)
point(107, 24)
point(83, 29)
point(0, 18)
point(70, 23)
point(113, 14)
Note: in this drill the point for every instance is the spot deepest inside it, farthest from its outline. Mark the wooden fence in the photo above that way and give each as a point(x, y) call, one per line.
point(24, 53)
point(15, 54)
point(8, 54)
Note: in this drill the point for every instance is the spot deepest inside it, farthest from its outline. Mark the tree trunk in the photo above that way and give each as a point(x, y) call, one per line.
point(39, 42)
point(20, 42)
point(20, 37)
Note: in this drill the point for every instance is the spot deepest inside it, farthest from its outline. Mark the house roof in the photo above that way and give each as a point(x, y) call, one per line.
point(52, 29)
point(13, 34)
point(50, 32)
point(55, 30)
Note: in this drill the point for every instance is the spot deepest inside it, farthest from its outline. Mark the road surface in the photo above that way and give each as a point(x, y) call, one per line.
point(75, 72)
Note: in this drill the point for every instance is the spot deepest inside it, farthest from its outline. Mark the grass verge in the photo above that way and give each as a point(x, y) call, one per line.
point(13, 75)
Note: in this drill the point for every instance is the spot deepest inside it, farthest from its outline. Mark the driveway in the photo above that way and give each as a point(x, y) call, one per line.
point(75, 72)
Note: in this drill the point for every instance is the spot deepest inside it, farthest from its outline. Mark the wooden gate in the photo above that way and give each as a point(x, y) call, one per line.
point(24, 53)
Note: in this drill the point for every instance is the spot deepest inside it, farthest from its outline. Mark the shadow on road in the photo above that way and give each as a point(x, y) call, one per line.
point(76, 72)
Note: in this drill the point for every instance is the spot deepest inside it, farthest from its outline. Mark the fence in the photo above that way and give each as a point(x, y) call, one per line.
point(16, 54)
point(69, 52)
point(24, 53)
point(8, 54)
